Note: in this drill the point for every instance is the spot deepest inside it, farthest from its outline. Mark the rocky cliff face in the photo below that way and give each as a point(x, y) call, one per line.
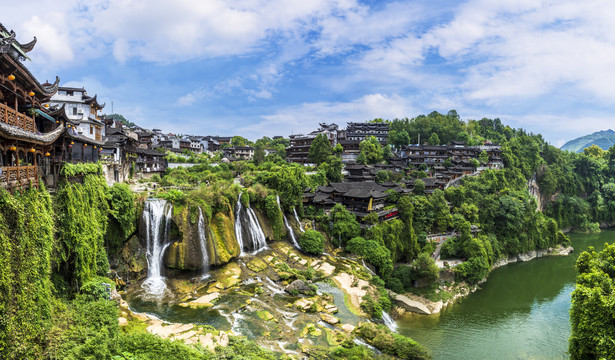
point(185, 253)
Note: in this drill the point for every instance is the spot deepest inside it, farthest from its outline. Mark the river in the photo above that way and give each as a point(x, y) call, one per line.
point(522, 312)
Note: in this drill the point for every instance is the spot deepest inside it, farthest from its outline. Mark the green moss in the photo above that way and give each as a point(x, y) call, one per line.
point(224, 238)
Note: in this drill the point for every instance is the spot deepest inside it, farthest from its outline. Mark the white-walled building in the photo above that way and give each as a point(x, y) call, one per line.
point(81, 110)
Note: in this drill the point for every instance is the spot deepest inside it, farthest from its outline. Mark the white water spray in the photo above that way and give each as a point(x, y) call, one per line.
point(203, 242)
point(157, 219)
point(290, 229)
point(389, 322)
point(256, 237)
point(298, 221)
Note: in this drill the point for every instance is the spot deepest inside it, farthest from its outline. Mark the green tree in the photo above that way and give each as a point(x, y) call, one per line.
point(591, 315)
point(370, 151)
point(408, 236)
point(434, 139)
point(424, 267)
point(332, 168)
point(320, 150)
point(399, 138)
point(259, 154)
point(419, 187)
point(312, 242)
point(338, 149)
point(483, 157)
point(382, 176)
point(344, 225)
point(239, 141)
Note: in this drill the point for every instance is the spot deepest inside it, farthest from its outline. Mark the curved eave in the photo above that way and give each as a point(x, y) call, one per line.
point(59, 113)
point(84, 139)
point(92, 101)
point(15, 133)
point(43, 93)
point(28, 46)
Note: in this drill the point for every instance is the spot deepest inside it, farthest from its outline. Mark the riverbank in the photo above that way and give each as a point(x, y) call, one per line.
point(447, 291)
point(507, 318)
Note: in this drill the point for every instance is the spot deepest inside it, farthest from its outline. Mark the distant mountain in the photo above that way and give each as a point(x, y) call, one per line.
point(604, 139)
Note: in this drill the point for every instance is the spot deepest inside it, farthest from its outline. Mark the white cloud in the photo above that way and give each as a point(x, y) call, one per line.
point(305, 117)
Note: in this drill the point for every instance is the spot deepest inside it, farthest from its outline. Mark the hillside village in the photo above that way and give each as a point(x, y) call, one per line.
point(44, 125)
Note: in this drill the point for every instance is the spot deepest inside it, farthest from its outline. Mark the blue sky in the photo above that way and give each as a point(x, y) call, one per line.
point(264, 68)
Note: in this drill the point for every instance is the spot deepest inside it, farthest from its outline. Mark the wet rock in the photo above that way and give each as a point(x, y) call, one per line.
point(207, 341)
point(303, 304)
point(185, 336)
point(331, 309)
point(257, 265)
point(204, 301)
point(410, 305)
point(298, 287)
point(356, 293)
point(264, 315)
point(310, 329)
point(224, 340)
point(348, 328)
point(326, 268)
point(170, 330)
point(329, 319)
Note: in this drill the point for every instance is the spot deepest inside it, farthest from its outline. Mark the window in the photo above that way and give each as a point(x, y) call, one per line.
point(91, 129)
point(75, 110)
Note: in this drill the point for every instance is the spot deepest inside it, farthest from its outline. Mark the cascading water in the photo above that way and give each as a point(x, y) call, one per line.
point(203, 242)
point(157, 220)
point(246, 223)
point(238, 233)
point(290, 229)
point(298, 221)
point(389, 322)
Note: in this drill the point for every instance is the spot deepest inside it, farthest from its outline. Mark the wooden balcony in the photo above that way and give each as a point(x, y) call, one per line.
point(15, 118)
point(18, 176)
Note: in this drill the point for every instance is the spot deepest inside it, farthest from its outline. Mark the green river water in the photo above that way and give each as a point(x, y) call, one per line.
point(522, 312)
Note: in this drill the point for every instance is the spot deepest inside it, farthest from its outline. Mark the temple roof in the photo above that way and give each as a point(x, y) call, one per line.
point(13, 52)
point(9, 40)
point(83, 138)
point(93, 102)
point(16, 133)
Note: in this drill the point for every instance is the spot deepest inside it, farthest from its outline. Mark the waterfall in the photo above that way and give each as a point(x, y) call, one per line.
point(203, 242)
point(389, 322)
point(238, 233)
point(157, 220)
point(290, 229)
point(298, 221)
point(259, 241)
point(246, 223)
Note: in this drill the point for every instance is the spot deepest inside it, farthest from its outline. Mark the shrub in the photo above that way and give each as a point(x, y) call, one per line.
point(424, 267)
point(95, 290)
point(312, 242)
point(473, 270)
point(392, 344)
point(395, 285)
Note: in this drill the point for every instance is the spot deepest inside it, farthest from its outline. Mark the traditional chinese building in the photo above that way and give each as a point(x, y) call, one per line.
point(28, 130)
point(82, 111)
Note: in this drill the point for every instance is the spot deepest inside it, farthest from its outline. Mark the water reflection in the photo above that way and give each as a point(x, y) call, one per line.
point(522, 312)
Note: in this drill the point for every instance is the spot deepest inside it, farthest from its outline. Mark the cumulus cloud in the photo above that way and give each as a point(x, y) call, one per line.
point(304, 118)
point(515, 58)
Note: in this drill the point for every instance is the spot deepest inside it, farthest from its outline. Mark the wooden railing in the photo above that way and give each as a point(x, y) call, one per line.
point(15, 118)
point(16, 176)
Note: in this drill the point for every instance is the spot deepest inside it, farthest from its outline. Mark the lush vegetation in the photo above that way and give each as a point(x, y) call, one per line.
point(593, 300)
point(312, 242)
point(390, 343)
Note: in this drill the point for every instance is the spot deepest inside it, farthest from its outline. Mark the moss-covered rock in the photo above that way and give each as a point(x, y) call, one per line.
point(223, 240)
point(132, 263)
point(185, 252)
